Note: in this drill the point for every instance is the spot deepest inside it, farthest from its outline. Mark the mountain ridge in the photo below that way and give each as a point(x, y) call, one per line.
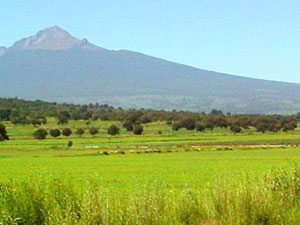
point(65, 69)
point(52, 38)
point(84, 43)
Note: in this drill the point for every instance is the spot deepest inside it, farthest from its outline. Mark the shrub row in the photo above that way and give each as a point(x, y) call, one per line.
point(113, 130)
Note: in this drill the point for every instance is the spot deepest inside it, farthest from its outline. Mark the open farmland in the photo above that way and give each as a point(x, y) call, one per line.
point(179, 175)
point(178, 158)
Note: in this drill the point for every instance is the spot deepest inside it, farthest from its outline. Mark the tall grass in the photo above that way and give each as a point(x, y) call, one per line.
point(275, 199)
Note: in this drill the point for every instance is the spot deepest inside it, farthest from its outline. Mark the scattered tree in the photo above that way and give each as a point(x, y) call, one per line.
point(209, 124)
point(5, 114)
point(176, 126)
point(36, 122)
point(138, 130)
point(79, 132)
point(113, 130)
point(262, 127)
point(63, 117)
point(93, 131)
point(3, 133)
point(235, 129)
point(189, 124)
point(55, 133)
point(70, 144)
point(169, 122)
point(200, 126)
point(145, 119)
point(21, 120)
point(289, 126)
point(40, 134)
point(128, 125)
point(216, 112)
point(66, 132)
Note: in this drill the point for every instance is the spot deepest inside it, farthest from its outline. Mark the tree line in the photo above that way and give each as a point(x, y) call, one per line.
point(262, 123)
point(42, 133)
point(24, 112)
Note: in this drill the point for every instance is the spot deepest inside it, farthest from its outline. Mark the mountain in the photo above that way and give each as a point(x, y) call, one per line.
point(53, 38)
point(55, 66)
point(2, 50)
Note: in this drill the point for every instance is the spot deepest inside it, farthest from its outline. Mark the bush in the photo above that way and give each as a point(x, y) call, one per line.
point(95, 117)
point(208, 124)
point(262, 127)
point(176, 126)
point(93, 131)
point(36, 122)
point(19, 120)
point(5, 114)
point(289, 126)
point(169, 122)
point(200, 126)
point(40, 134)
point(189, 124)
point(138, 130)
point(63, 117)
point(66, 132)
point(3, 133)
point(79, 132)
point(128, 125)
point(113, 130)
point(145, 119)
point(235, 129)
point(70, 144)
point(55, 132)
point(105, 153)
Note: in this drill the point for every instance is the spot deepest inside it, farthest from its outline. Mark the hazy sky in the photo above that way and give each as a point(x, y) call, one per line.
point(255, 38)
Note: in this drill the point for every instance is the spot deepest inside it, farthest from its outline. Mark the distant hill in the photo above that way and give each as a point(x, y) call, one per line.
point(55, 66)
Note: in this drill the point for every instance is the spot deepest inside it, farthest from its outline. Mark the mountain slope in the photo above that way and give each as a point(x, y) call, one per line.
point(53, 38)
point(53, 65)
point(2, 50)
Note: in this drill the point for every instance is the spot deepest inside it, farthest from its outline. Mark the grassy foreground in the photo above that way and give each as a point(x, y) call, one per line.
point(273, 200)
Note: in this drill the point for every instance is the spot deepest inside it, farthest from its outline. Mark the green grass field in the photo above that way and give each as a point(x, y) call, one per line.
point(176, 161)
point(188, 158)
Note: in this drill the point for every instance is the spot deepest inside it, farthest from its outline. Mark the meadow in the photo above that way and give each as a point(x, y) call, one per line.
point(160, 177)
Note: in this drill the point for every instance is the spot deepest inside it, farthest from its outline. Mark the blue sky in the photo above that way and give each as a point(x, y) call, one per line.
point(254, 38)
